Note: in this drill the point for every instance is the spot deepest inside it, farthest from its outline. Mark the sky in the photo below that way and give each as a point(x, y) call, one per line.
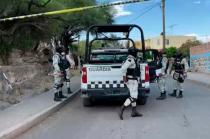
point(183, 17)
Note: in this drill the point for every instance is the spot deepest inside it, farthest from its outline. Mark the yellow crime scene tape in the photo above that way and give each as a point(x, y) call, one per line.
point(71, 10)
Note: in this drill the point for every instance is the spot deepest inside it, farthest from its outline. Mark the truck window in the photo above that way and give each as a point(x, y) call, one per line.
point(149, 56)
point(108, 58)
point(121, 58)
point(100, 57)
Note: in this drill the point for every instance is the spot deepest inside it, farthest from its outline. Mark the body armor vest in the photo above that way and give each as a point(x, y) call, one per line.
point(134, 72)
point(179, 68)
point(63, 63)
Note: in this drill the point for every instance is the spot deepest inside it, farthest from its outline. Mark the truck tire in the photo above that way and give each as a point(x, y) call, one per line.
point(142, 101)
point(87, 102)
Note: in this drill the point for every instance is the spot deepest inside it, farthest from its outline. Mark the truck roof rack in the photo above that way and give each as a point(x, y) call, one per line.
point(112, 28)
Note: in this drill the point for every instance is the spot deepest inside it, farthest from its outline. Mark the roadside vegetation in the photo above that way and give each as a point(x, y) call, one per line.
point(27, 34)
point(184, 49)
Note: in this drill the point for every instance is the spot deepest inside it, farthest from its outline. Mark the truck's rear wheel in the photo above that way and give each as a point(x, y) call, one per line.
point(87, 102)
point(142, 100)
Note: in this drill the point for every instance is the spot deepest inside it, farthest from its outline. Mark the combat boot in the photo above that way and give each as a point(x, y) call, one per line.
point(162, 96)
point(135, 113)
point(69, 91)
point(173, 94)
point(56, 97)
point(121, 112)
point(61, 95)
point(180, 95)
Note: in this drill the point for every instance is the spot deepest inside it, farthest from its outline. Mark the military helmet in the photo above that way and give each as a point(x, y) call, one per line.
point(59, 50)
point(178, 55)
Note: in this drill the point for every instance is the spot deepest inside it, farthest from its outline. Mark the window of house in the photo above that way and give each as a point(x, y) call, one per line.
point(167, 41)
point(158, 42)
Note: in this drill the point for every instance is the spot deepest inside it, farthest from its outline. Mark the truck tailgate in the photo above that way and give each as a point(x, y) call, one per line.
point(103, 76)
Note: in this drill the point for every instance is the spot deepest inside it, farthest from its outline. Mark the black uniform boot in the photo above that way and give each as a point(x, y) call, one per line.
point(135, 113)
point(173, 94)
point(180, 95)
point(61, 95)
point(56, 97)
point(162, 96)
point(121, 112)
point(69, 91)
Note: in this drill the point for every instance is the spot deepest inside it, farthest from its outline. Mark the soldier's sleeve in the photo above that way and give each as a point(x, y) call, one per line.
point(71, 60)
point(186, 66)
point(164, 63)
point(55, 63)
point(126, 65)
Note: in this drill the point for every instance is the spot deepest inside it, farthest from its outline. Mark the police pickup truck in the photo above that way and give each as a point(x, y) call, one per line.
point(101, 74)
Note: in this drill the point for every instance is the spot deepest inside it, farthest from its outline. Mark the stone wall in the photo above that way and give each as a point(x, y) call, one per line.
point(27, 74)
point(28, 78)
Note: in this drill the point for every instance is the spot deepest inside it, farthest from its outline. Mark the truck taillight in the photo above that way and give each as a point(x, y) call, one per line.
point(84, 75)
point(147, 73)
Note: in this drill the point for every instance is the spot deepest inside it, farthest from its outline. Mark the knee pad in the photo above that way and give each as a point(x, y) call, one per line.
point(67, 80)
point(57, 86)
point(132, 99)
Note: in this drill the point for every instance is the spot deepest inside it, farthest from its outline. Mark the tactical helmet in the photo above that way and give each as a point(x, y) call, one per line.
point(132, 51)
point(59, 50)
point(178, 55)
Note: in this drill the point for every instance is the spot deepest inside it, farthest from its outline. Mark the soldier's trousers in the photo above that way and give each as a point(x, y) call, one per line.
point(133, 89)
point(58, 82)
point(67, 77)
point(162, 83)
point(178, 86)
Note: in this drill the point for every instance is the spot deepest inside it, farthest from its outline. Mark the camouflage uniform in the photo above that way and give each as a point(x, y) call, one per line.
point(130, 76)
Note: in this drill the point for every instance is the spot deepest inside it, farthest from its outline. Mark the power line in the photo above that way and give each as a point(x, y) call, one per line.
point(143, 13)
point(72, 10)
point(172, 27)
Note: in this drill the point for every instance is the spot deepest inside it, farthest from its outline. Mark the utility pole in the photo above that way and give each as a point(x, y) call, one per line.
point(164, 31)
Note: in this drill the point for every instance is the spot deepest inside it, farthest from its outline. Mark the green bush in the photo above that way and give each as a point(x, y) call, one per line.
point(171, 51)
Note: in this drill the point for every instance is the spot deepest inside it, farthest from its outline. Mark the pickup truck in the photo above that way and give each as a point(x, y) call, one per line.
point(101, 74)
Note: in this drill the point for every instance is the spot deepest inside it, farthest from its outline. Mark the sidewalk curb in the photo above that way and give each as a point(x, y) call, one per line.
point(16, 130)
point(199, 83)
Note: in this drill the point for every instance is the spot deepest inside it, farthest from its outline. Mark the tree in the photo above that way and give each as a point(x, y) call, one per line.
point(81, 49)
point(185, 48)
point(171, 51)
point(27, 33)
